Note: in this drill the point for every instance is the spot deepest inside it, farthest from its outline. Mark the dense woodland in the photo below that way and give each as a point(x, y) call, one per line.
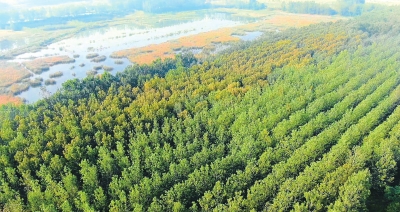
point(342, 7)
point(303, 120)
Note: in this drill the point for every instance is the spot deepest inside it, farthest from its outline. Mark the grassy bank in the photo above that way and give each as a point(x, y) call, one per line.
point(268, 21)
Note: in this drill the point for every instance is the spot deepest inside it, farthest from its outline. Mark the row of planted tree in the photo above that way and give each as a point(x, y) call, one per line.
point(303, 120)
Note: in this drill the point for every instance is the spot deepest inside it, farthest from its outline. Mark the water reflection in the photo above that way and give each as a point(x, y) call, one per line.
point(250, 36)
point(105, 41)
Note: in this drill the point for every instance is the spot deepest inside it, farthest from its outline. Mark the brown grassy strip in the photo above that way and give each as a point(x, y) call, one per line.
point(43, 64)
point(7, 99)
point(12, 73)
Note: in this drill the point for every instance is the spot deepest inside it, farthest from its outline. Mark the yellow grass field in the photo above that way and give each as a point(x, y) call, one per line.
point(11, 73)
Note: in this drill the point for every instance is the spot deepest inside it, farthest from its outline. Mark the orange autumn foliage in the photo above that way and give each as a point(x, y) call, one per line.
point(6, 99)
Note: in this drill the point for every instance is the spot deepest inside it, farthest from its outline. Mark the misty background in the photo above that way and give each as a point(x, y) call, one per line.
point(17, 14)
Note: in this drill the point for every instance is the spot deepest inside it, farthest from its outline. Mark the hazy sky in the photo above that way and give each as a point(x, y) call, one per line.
point(26, 3)
point(22, 3)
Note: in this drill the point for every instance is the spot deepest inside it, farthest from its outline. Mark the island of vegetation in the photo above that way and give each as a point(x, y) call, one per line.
point(43, 64)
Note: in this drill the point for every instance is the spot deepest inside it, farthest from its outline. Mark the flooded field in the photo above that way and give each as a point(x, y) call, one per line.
point(138, 39)
point(92, 49)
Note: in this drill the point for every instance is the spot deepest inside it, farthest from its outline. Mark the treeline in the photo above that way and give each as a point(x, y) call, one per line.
point(12, 17)
point(240, 4)
point(308, 7)
point(305, 120)
point(342, 7)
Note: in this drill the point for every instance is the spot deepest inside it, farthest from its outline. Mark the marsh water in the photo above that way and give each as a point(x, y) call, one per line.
point(105, 41)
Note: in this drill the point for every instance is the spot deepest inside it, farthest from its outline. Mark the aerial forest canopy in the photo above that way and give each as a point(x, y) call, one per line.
point(306, 120)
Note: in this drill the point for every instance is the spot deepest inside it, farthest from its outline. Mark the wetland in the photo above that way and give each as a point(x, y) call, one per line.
point(77, 50)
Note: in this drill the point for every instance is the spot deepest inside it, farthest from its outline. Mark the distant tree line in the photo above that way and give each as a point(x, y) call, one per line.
point(9, 17)
point(252, 4)
point(344, 7)
point(351, 7)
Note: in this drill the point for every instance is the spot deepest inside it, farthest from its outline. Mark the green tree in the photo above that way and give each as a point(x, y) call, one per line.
point(354, 193)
